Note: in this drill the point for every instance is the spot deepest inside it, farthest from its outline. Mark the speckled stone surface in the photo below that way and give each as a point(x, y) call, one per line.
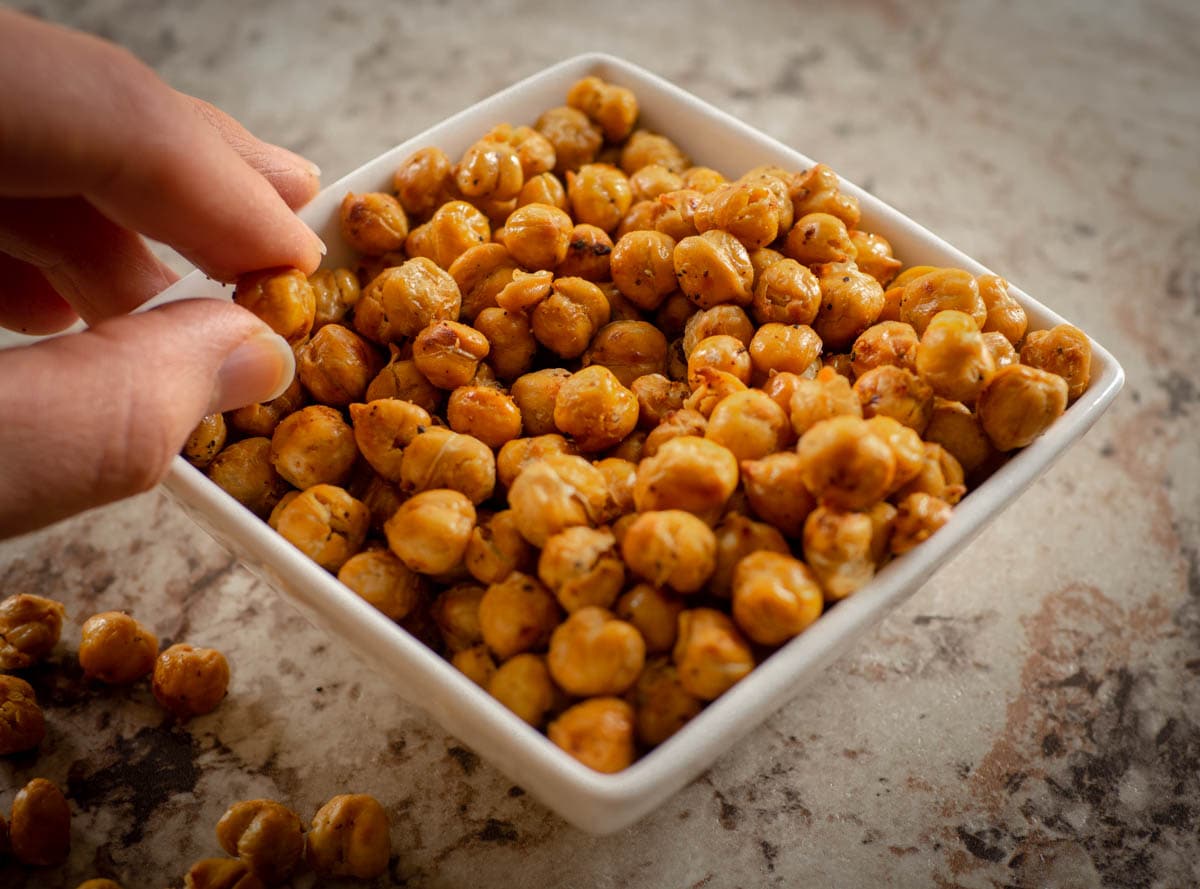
point(1031, 717)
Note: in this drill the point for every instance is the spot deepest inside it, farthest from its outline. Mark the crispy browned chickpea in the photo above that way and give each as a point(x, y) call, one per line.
point(750, 211)
point(382, 580)
point(29, 629)
point(940, 475)
point(517, 614)
point(720, 353)
point(190, 681)
point(818, 191)
point(786, 292)
point(828, 395)
point(675, 424)
point(762, 259)
point(476, 663)
point(613, 108)
point(497, 549)
point(581, 566)
point(373, 223)
point(599, 195)
point(838, 550)
point(490, 169)
point(781, 386)
point(645, 148)
point(918, 517)
point(952, 357)
point(481, 273)
point(749, 424)
point(525, 290)
point(701, 179)
point(629, 349)
point(670, 548)
point(484, 413)
point(738, 537)
point(786, 348)
point(676, 360)
point(523, 685)
point(630, 449)
point(336, 292)
point(779, 182)
point(775, 597)
point(938, 291)
point(206, 441)
point(714, 386)
point(441, 458)
point(456, 613)
point(336, 365)
point(22, 725)
point(555, 493)
point(593, 653)
point(575, 138)
point(326, 524)
point(652, 180)
point(40, 833)
point(266, 835)
point(383, 428)
point(641, 216)
point(1018, 403)
point(844, 464)
point(313, 446)
point(350, 837)
point(687, 473)
point(116, 649)
point(1002, 351)
point(380, 497)
point(954, 427)
point(424, 181)
point(589, 254)
point(569, 317)
point(1064, 350)
point(906, 446)
point(261, 419)
point(411, 296)
point(776, 491)
point(714, 268)
point(221, 873)
point(544, 188)
point(710, 654)
point(1004, 313)
point(850, 303)
point(873, 254)
point(454, 228)
point(662, 705)
point(595, 409)
point(282, 298)
point(401, 380)
point(515, 455)
point(244, 471)
point(883, 523)
point(621, 475)
point(885, 343)
point(643, 267)
point(511, 342)
point(653, 612)
point(448, 353)
point(430, 531)
point(677, 213)
point(890, 391)
point(724, 320)
point(598, 732)
point(657, 396)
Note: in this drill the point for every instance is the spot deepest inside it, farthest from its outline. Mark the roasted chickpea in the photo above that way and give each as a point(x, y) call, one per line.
point(456, 613)
point(750, 211)
point(645, 148)
point(641, 216)
point(886, 343)
point(481, 273)
point(657, 397)
point(373, 223)
point(940, 475)
point(383, 581)
point(581, 566)
point(905, 444)
point(783, 348)
point(762, 259)
point(1002, 351)
point(313, 446)
point(818, 238)
point(380, 497)
point(1004, 314)
point(828, 395)
point(190, 681)
point(511, 341)
point(595, 409)
point(326, 524)
point(555, 493)
point(221, 873)
point(535, 395)
point(598, 732)
point(599, 195)
point(383, 428)
point(490, 169)
point(779, 182)
point(643, 267)
point(719, 353)
point(575, 138)
point(749, 424)
point(517, 614)
point(282, 298)
point(652, 180)
point(401, 380)
point(675, 424)
point(589, 254)
point(653, 612)
point(523, 685)
point(454, 228)
point(206, 441)
point(336, 365)
point(952, 357)
point(566, 321)
point(496, 549)
point(941, 290)
point(786, 292)
point(244, 470)
point(663, 707)
point(781, 386)
point(440, 458)
point(424, 181)
point(613, 108)
point(710, 654)
point(775, 597)
point(1064, 350)
point(448, 353)
point(430, 531)
point(116, 649)
point(676, 215)
point(350, 837)
point(776, 491)
point(670, 548)
point(738, 537)
point(714, 268)
point(261, 419)
point(701, 179)
point(336, 292)
point(40, 833)
point(954, 427)
point(890, 391)
point(850, 303)
point(1018, 403)
point(676, 360)
point(476, 663)
point(838, 550)
point(22, 725)
point(873, 255)
point(484, 413)
point(918, 517)
point(687, 473)
point(621, 475)
point(629, 349)
point(818, 191)
point(844, 464)
point(544, 188)
point(883, 523)
point(592, 653)
point(410, 297)
point(30, 627)
point(266, 835)
point(515, 455)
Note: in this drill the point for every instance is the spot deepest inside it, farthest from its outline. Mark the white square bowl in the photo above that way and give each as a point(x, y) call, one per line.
point(595, 802)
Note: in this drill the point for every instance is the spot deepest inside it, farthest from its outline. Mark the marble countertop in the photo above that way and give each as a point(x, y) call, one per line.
point(1030, 717)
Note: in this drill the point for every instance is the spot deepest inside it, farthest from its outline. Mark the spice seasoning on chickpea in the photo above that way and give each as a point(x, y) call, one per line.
point(245, 471)
point(517, 614)
point(116, 649)
point(582, 567)
point(190, 681)
point(30, 627)
point(595, 409)
point(282, 298)
point(313, 446)
point(206, 441)
point(430, 530)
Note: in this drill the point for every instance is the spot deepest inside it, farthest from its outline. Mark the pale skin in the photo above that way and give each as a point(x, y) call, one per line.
point(97, 152)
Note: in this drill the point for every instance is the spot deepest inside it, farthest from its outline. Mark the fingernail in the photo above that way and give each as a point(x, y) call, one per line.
point(258, 370)
point(312, 168)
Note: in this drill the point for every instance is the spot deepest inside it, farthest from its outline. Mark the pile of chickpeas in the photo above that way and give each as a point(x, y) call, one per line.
point(607, 428)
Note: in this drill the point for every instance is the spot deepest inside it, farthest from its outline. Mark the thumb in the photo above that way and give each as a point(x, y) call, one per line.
point(96, 416)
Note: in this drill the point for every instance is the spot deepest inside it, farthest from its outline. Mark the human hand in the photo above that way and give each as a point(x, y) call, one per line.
point(95, 151)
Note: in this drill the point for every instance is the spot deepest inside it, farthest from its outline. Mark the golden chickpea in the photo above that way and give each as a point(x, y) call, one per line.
point(481, 273)
point(221, 873)
point(818, 191)
point(657, 397)
point(652, 180)
point(497, 549)
point(581, 566)
point(883, 523)
point(454, 228)
point(511, 342)
point(629, 349)
point(484, 413)
point(631, 449)
point(282, 298)
point(653, 612)
point(838, 550)
point(750, 211)
point(517, 614)
point(440, 458)
point(775, 597)
point(675, 424)
point(380, 497)
point(779, 182)
point(424, 181)
point(326, 524)
point(905, 444)
point(1002, 351)
point(599, 195)
point(116, 649)
point(373, 223)
point(1018, 403)
point(598, 732)
point(641, 216)
point(448, 353)
point(40, 833)
point(555, 493)
point(776, 491)
point(411, 296)
point(525, 291)
point(382, 580)
point(589, 254)
point(918, 517)
point(313, 446)
point(621, 475)
point(749, 424)
point(430, 531)
point(593, 653)
point(613, 108)
point(738, 537)
point(819, 238)
point(490, 169)
point(350, 837)
point(336, 365)
point(701, 179)
point(401, 380)
point(206, 441)
point(676, 360)
point(940, 475)
point(844, 464)
point(383, 429)
point(30, 627)
point(781, 386)
point(261, 419)
point(1064, 350)
point(566, 321)
point(714, 268)
point(1004, 314)
point(850, 303)
point(575, 138)
point(786, 292)
point(22, 725)
point(939, 291)
point(535, 395)
point(662, 705)
point(711, 656)
point(595, 409)
point(190, 681)
point(643, 267)
point(676, 215)
point(873, 255)
point(670, 548)
point(890, 391)
point(245, 472)
point(515, 455)
point(476, 663)
point(952, 358)
point(544, 188)
point(645, 148)
point(886, 343)
point(523, 685)
point(787, 348)
point(336, 292)
point(266, 835)
point(828, 395)
point(687, 473)
point(723, 353)
point(954, 427)
point(456, 613)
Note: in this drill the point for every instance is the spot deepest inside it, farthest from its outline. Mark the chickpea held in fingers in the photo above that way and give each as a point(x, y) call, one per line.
point(190, 681)
point(116, 649)
point(282, 298)
point(206, 441)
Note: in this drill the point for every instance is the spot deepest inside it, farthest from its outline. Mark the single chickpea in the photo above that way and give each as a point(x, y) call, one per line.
point(380, 497)
point(738, 537)
point(838, 550)
point(401, 380)
point(326, 524)
point(535, 394)
point(424, 181)
point(511, 342)
point(788, 348)
point(484, 413)
point(544, 188)
point(938, 291)
point(336, 292)
point(1018, 403)
point(621, 475)
point(779, 182)
point(517, 614)
point(593, 653)
point(476, 663)
point(777, 493)
point(555, 493)
point(952, 358)
point(890, 391)
point(786, 292)
point(630, 449)
point(589, 254)
point(538, 236)
point(430, 531)
point(818, 190)
point(701, 179)
point(515, 455)
point(30, 627)
point(190, 681)
point(525, 291)
point(940, 475)
point(676, 360)
point(412, 296)
point(336, 365)
point(662, 705)
point(575, 138)
point(454, 228)
point(653, 612)
point(781, 386)
point(523, 685)
point(762, 259)
point(221, 873)
point(918, 517)
point(456, 613)
point(497, 549)
point(954, 427)
point(873, 255)
point(613, 108)
point(383, 429)
point(819, 238)
point(534, 150)
point(245, 472)
point(905, 444)
point(675, 424)
point(282, 298)
point(670, 548)
point(724, 320)
point(266, 835)
point(883, 523)
point(711, 655)
point(599, 195)
point(641, 216)
point(643, 267)
point(687, 473)
point(749, 424)
point(206, 441)
point(720, 353)
point(1002, 351)
point(1004, 314)
point(581, 566)
point(598, 732)
point(40, 833)
point(645, 148)
point(828, 395)
point(595, 409)
point(313, 446)
point(448, 353)
point(22, 725)
point(629, 349)
point(850, 303)
point(383, 581)
point(845, 465)
point(566, 321)
point(116, 649)
point(886, 343)
point(676, 216)
point(481, 273)
point(1064, 350)
point(350, 837)
point(373, 223)
point(261, 419)
point(440, 458)
point(775, 597)
point(714, 268)
point(489, 169)
point(652, 180)
point(657, 397)
point(749, 211)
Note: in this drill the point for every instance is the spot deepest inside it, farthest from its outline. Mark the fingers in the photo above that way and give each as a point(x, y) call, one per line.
point(96, 416)
point(28, 304)
point(115, 134)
